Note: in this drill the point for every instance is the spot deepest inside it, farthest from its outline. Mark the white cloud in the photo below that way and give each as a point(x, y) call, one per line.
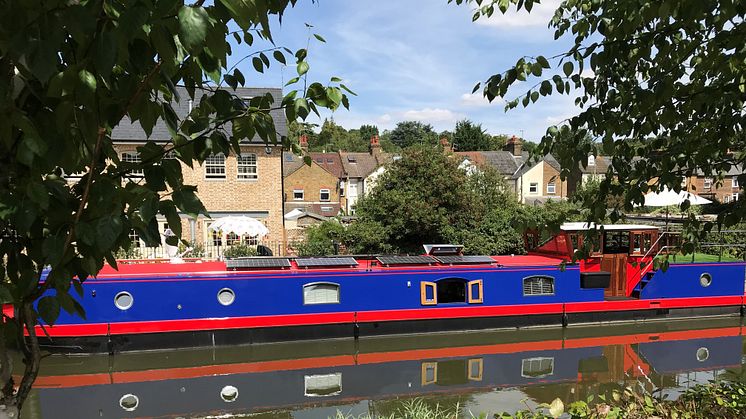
point(478, 100)
point(431, 115)
point(540, 15)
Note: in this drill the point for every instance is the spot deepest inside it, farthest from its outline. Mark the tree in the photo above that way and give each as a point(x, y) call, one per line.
point(409, 133)
point(468, 136)
point(367, 131)
point(322, 239)
point(655, 81)
point(70, 71)
point(298, 128)
point(425, 198)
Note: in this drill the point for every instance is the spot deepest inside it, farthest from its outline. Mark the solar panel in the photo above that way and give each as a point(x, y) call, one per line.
point(406, 260)
point(464, 260)
point(321, 262)
point(257, 263)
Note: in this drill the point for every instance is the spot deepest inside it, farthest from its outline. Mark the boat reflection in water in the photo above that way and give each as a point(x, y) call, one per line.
point(314, 379)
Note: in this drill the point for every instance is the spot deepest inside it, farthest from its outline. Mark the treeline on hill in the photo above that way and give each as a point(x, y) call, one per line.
point(424, 197)
point(466, 136)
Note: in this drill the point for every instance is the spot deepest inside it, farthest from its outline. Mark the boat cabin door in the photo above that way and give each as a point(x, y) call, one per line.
point(614, 260)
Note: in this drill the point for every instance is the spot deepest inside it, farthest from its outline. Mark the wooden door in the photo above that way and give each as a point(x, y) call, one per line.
point(616, 264)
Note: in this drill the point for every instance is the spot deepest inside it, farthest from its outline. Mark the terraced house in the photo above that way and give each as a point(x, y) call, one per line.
point(246, 184)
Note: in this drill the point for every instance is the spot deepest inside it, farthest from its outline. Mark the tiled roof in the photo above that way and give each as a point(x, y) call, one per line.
point(291, 163)
point(126, 131)
point(360, 165)
point(503, 161)
point(329, 161)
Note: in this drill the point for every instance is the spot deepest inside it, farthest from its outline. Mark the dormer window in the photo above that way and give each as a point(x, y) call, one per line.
point(352, 159)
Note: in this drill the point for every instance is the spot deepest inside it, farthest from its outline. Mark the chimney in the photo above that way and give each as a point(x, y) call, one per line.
point(514, 145)
point(375, 145)
point(304, 142)
point(446, 145)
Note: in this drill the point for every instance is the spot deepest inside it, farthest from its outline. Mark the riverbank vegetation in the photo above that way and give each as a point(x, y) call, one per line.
point(722, 399)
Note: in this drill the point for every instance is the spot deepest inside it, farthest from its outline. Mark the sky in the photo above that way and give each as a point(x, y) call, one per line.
point(419, 60)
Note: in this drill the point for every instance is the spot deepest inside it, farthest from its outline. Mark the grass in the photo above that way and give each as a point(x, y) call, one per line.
point(702, 257)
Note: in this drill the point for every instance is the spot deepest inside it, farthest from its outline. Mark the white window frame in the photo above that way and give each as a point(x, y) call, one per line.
point(320, 297)
point(246, 170)
point(213, 163)
point(133, 157)
point(707, 183)
point(328, 193)
point(534, 186)
point(734, 197)
point(734, 181)
point(551, 188)
point(531, 362)
point(302, 195)
point(327, 209)
point(591, 160)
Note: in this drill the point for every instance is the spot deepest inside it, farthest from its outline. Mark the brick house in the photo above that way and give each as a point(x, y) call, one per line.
point(725, 190)
point(249, 184)
point(311, 188)
point(357, 171)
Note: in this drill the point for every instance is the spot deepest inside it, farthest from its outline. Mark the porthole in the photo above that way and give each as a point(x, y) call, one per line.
point(229, 394)
point(123, 300)
point(703, 354)
point(705, 279)
point(226, 296)
point(129, 402)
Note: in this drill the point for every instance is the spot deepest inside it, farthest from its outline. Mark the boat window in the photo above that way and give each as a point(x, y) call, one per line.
point(451, 290)
point(226, 296)
point(429, 373)
point(321, 293)
point(428, 295)
point(475, 292)
point(538, 285)
point(323, 385)
point(229, 394)
point(129, 402)
point(705, 279)
point(537, 367)
point(124, 300)
point(616, 242)
point(476, 367)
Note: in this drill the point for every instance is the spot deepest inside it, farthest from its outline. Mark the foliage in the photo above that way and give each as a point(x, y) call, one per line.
point(468, 136)
point(410, 133)
point(192, 249)
point(71, 71)
point(653, 80)
point(417, 408)
point(239, 250)
point(424, 198)
point(322, 239)
point(367, 131)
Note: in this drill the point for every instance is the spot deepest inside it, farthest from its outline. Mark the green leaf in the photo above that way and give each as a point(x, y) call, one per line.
point(5, 295)
point(49, 309)
point(258, 64)
point(556, 408)
point(302, 68)
point(279, 56)
point(319, 37)
point(193, 23)
point(542, 61)
point(567, 68)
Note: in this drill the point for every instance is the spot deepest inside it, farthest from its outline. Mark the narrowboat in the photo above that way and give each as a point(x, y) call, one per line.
point(150, 305)
point(315, 375)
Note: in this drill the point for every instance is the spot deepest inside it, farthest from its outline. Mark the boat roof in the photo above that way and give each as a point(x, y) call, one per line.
point(583, 226)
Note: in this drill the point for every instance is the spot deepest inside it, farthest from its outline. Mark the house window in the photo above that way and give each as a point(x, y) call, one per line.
point(342, 188)
point(734, 197)
point(326, 209)
point(298, 194)
point(247, 167)
point(538, 285)
point(217, 238)
point(533, 188)
point(134, 238)
point(319, 160)
point(215, 166)
point(324, 194)
point(683, 182)
point(232, 239)
point(134, 158)
point(321, 293)
point(537, 367)
point(707, 183)
point(551, 188)
point(323, 385)
point(330, 161)
point(591, 160)
point(352, 159)
point(734, 179)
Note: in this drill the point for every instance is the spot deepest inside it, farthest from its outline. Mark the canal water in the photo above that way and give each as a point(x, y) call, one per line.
point(485, 372)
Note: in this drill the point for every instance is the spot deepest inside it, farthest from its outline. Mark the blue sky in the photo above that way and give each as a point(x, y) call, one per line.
point(418, 60)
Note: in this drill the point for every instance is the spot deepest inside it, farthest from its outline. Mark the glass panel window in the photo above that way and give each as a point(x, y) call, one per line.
point(324, 195)
point(215, 166)
point(538, 285)
point(247, 167)
point(551, 188)
point(134, 158)
point(533, 187)
point(232, 239)
point(537, 367)
point(134, 238)
point(321, 293)
point(323, 385)
point(707, 183)
point(591, 160)
point(734, 179)
point(298, 195)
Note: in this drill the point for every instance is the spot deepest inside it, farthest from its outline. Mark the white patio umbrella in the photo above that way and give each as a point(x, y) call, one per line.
point(240, 225)
point(667, 198)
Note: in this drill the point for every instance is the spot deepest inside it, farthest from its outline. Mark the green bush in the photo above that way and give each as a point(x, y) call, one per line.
point(239, 250)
